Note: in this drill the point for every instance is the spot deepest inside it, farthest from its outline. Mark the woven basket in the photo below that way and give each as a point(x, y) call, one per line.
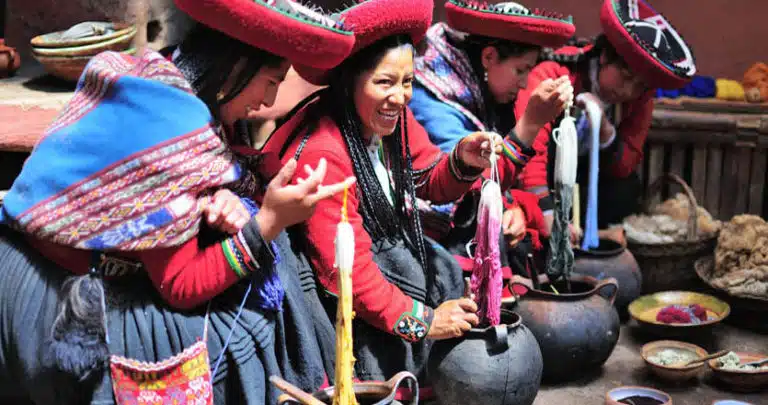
point(670, 266)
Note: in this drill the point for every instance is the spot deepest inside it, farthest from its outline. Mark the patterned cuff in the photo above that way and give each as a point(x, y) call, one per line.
point(516, 151)
point(238, 256)
point(413, 326)
point(247, 251)
point(459, 170)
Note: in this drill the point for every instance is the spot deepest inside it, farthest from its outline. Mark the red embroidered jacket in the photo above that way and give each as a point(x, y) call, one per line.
point(376, 300)
point(630, 133)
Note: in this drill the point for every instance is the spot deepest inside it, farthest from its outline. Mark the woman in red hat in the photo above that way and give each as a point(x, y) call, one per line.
point(406, 289)
point(637, 52)
point(467, 81)
point(118, 193)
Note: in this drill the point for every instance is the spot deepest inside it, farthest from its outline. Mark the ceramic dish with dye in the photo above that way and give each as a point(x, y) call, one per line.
point(753, 380)
point(665, 359)
point(85, 33)
point(730, 402)
point(637, 396)
point(68, 68)
point(646, 309)
point(120, 43)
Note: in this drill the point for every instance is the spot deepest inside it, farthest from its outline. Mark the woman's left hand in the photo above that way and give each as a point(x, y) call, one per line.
point(226, 213)
point(475, 149)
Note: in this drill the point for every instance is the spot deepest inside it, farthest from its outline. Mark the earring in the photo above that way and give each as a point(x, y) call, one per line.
point(485, 76)
point(220, 95)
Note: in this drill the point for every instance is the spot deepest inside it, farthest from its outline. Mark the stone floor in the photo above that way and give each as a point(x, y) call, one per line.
point(626, 367)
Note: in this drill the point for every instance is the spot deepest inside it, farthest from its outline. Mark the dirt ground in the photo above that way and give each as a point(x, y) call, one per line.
point(626, 367)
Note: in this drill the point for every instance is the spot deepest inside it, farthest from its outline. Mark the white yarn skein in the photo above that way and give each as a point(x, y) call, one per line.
point(567, 155)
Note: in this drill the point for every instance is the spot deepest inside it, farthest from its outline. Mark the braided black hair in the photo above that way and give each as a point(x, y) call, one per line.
point(380, 218)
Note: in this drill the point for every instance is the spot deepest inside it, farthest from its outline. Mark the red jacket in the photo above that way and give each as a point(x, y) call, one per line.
point(375, 299)
point(186, 276)
point(631, 131)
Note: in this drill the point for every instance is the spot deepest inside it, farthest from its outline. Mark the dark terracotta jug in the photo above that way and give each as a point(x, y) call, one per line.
point(499, 365)
point(10, 61)
point(368, 393)
point(576, 331)
point(611, 259)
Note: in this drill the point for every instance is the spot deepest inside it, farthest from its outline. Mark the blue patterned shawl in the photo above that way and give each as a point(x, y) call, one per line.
point(127, 165)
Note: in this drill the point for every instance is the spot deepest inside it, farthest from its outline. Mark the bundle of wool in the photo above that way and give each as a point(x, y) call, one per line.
point(486, 280)
point(561, 257)
point(755, 83)
point(727, 89)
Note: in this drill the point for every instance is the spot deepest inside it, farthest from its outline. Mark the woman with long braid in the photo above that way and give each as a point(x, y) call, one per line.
point(406, 289)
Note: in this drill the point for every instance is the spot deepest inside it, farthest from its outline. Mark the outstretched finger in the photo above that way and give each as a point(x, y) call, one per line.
point(328, 191)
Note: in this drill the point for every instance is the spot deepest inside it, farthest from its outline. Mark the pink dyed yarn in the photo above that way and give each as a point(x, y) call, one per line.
point(486, 281)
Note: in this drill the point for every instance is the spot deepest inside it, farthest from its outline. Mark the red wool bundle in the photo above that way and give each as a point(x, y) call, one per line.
point(486, 281)
point(694, 313)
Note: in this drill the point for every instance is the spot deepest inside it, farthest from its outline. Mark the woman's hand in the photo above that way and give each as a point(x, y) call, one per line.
point(475, 149)
point(285, 205)
point(513, 225)
point(547, 102)
point(453, 318)
point(226, 213)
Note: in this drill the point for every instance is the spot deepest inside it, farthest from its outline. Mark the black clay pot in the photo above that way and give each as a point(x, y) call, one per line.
point(611, 259)
point(499, 365)
point(576, 331)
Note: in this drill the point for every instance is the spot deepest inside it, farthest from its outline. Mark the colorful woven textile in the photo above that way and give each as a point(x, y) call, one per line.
point(127, 165)
point(181, 379)
point(446, 72)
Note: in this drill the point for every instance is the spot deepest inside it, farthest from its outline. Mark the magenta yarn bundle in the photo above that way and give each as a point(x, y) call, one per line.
point(486, 281)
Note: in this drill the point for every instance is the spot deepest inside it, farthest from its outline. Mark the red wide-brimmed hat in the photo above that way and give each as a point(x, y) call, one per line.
point(373, 20)
point(647, 43)
point(510, 21)
point(282, 27)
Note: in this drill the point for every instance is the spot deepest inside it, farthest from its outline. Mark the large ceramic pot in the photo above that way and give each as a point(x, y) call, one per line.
point(368, 393)
point(576, 331)
point(496, 365)
point(611, 259)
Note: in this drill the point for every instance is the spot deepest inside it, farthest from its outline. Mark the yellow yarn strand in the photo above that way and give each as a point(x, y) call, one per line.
point(345, 248)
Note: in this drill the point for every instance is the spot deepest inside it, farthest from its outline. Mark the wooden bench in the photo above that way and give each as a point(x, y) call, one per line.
point(718, 147)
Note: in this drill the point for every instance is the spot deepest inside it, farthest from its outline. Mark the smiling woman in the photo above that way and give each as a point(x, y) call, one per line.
point(385, 88)
point(406, 289)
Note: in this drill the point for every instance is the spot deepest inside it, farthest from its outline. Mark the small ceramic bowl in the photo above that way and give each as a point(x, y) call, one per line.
point(615, 395)
point(673, 373)
point(742, 381)
point(729, 402)
point(56, 39)
point(645, 309)
point(120, 43)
